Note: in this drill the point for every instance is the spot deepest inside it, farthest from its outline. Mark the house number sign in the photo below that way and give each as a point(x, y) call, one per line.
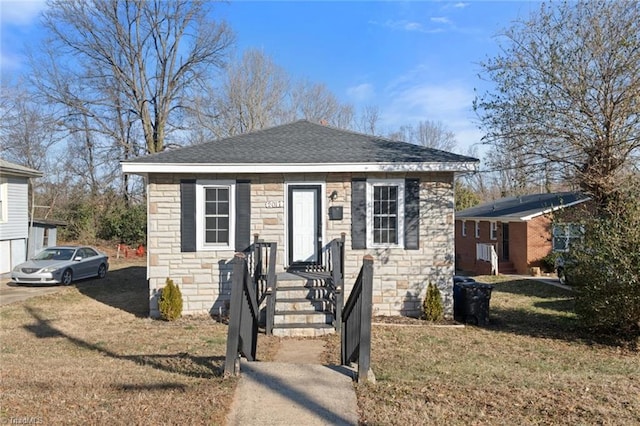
point(274, 204)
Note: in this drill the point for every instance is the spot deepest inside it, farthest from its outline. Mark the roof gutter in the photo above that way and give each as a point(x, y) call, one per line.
point(190, 168)
point(525, 218)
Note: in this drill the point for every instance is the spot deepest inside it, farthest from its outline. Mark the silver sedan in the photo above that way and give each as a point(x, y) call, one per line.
point(62, 265)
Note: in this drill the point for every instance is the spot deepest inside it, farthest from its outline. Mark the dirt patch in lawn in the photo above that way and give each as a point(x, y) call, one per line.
point(89, 354)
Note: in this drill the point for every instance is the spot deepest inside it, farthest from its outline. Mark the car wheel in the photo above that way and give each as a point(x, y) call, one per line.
point(102, 271)
point(67, 277)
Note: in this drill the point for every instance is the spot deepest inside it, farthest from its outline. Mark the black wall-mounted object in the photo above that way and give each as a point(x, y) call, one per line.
point(335, 213)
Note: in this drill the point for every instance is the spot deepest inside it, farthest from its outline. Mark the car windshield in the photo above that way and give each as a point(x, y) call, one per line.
point(55, 254)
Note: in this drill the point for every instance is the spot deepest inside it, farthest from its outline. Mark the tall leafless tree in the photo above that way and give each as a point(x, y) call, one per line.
point(567, 91)
point(155, 53)
point(369, 118)
point(28, 131)
point(315, 102)
point(252, 97)
point(431, 134)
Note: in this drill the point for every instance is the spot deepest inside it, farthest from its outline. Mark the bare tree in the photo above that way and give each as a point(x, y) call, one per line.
point(31, 136)
point(155, 53)
point(431, 134)
point(315, 102)
point(28, 131)
point(252, 97)
point(434, 134)
point(567, 91)
point(369, 117)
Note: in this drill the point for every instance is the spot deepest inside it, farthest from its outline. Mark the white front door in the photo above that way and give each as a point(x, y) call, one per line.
point(304, 229)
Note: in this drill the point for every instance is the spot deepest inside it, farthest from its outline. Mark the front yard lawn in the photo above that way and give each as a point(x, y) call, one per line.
point(532, 365)
point(89, 354)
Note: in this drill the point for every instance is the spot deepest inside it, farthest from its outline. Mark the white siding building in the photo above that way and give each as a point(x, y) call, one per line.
point(14, 213)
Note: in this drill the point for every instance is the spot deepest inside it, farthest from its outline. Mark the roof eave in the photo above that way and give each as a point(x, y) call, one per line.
point(555, 208)
point(26, 173)
point(525, 218)
point(146, 168)
point(492, 218)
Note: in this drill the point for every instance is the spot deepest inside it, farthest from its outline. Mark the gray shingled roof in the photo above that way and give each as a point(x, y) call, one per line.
point(521, 207)
point(303, 142)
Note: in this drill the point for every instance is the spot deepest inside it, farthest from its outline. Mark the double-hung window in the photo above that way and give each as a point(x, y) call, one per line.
point(385, 213)
point(564, 235)
point(494, 230)
point(215, 221)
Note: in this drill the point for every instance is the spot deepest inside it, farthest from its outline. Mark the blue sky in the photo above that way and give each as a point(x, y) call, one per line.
point(415, 60)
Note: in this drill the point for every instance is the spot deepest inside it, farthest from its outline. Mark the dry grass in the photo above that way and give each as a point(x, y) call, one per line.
point(89, 355)
point(532, 365)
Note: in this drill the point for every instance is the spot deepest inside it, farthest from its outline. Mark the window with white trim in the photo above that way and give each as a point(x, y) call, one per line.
point(494, 230)
point(215, 219)
point(385, 213)
point(564, 235)
point(464, 228)
point(477, 229)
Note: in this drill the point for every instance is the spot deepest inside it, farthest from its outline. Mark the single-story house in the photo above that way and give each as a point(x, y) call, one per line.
point(14, 213)
point(512, 235)
point(301, 185)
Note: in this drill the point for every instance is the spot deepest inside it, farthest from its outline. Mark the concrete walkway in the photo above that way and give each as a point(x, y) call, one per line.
point(286, 392)
point(546, 280)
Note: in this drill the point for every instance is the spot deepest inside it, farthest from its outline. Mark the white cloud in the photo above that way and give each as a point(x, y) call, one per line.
point(441, 20)
point(9, 62)
point(21, 12)
point(361, 92)
point(451, 102)
point(405, 25)
point(461, 5)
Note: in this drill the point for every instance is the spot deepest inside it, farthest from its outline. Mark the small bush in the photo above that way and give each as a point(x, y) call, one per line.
point(432, 305)
point(170, 301)
point(548, 263)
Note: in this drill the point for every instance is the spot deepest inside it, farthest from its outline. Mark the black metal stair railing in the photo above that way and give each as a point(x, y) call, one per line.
point(242, 335)
point(262, 265)
point(335, 285)
point(356, 318)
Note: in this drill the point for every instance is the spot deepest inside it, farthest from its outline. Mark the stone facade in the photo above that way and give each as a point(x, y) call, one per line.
point(400, 276)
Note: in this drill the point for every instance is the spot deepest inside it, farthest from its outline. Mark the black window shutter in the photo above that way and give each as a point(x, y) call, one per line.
point(243, 215)
point(358, 214)
point(412, 214)
point(188, 215)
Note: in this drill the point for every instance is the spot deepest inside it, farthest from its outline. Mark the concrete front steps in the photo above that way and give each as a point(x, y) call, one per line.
point(302, 307)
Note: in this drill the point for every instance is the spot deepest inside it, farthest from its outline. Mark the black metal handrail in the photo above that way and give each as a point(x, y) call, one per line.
point(335, 285)
point(242, 335)
point(262, 264)
point(356, 328)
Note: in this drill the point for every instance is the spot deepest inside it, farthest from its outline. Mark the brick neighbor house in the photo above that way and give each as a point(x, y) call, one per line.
point(517, 232)
point(302, 185)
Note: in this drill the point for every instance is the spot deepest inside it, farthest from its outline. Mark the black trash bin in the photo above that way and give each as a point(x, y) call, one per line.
point(459, 296)
point(475, 304)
